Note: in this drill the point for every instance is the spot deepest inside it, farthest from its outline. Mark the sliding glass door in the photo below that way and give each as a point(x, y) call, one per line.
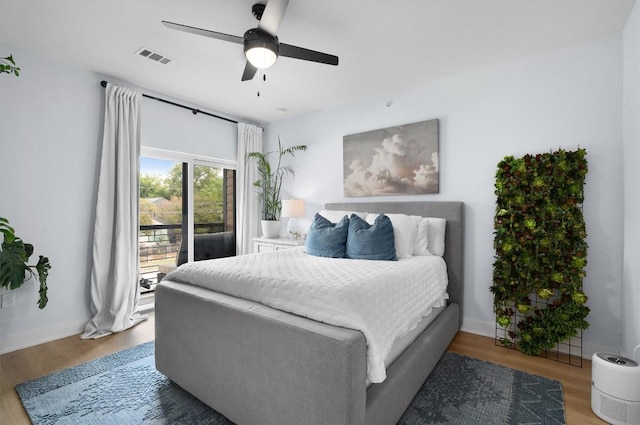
point(187, 212)
point(161, 217)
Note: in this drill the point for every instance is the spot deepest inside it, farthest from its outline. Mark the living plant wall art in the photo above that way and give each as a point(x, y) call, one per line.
point(392, 161)
point(541, 250)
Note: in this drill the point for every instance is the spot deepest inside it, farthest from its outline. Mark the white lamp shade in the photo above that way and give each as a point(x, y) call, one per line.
point(292, 208)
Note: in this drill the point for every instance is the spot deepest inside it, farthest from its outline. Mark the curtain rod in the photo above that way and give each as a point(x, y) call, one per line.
point(195, 111)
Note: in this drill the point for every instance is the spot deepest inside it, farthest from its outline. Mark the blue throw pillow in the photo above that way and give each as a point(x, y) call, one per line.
point(371, 241)
point(327, 239)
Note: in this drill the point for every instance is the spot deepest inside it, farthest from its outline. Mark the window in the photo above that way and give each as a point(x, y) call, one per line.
point(187, 211)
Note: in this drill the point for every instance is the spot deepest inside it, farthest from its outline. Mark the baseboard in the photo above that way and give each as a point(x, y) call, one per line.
point(478, 327)
point(146, 308)
point(488, 329)
point(29, 338)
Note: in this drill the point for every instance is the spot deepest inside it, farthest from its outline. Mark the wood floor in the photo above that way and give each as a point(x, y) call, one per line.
point(29, 363)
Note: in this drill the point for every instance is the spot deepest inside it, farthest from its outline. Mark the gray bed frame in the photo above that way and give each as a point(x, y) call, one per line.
point(261, 366)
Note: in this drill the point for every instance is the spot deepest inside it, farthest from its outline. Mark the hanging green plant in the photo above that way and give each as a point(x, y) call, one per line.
point(8, 66)
point(541, 249)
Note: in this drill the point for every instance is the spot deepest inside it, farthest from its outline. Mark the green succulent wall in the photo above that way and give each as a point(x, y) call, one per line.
point(541, 250)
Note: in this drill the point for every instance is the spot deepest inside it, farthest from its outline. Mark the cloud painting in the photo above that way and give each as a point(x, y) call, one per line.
point(392, 161)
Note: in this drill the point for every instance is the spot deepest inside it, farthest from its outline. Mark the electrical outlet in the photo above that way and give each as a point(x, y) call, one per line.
point(8, 300)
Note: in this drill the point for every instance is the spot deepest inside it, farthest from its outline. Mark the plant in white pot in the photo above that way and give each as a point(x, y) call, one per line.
point(270, 183)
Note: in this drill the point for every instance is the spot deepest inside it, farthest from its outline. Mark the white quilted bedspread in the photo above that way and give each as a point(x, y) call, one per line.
point(382, 299)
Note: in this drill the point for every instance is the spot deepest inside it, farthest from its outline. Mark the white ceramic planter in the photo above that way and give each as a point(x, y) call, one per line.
point(270, 229)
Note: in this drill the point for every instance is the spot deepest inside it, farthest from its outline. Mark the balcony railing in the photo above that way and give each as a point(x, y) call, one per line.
point(160, 245)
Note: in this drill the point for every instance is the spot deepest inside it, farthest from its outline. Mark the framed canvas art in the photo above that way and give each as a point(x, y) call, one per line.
point(400, 160)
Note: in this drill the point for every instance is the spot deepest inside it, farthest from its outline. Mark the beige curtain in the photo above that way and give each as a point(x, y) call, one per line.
point(115, 273)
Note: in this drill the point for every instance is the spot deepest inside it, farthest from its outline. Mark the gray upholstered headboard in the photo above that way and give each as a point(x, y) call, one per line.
point(452, 211)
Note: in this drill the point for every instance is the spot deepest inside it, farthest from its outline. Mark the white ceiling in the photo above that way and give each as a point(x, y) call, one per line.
point(383, 45)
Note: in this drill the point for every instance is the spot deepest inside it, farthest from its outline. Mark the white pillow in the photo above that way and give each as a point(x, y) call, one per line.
point(436, 235)
point(336, 216)
point(421, 245)
point(405, 228)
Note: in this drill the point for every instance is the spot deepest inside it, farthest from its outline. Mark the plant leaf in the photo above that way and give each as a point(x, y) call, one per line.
point(13, 267)
point(28, 248)
point(43, 268)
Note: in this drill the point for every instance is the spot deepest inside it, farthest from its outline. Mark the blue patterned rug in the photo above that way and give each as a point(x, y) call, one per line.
point(125, 388)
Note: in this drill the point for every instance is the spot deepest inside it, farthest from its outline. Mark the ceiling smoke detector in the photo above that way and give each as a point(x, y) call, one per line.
point(154, 56)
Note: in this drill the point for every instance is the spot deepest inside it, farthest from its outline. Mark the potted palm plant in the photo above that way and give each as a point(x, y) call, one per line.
point(270, 183)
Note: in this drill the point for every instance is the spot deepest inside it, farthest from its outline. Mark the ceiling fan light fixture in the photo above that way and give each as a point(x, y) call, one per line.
point(260, 48)
point(261, 57)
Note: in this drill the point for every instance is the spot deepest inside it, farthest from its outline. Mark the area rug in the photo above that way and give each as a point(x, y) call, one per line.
point(125, 388)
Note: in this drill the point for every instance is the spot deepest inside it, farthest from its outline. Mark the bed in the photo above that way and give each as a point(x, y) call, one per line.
point(259, 365)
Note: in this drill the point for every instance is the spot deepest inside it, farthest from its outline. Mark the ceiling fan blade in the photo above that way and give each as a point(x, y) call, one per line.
point(272, 16)
point(203, 32)
point(249, 72)
point(295, 52)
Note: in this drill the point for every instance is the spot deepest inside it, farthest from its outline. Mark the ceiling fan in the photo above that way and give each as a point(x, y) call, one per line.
point(261, 44)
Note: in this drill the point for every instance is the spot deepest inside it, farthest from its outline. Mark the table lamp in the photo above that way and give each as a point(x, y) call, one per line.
point(292, 208)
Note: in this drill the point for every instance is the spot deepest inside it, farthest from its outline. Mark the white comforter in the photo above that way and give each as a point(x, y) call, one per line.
point(382, 299)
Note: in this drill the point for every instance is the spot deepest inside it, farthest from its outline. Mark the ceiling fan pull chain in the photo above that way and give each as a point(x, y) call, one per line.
point(259, 72)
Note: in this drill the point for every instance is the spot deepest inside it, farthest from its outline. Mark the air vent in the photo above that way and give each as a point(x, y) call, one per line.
point(154, 56)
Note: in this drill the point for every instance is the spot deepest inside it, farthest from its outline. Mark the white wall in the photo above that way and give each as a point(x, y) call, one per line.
point(49, 148)
point(50, 138)
point(567, 98)
point(631, 155)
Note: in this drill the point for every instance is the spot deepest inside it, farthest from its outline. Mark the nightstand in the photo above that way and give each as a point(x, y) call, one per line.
point(276, 244)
